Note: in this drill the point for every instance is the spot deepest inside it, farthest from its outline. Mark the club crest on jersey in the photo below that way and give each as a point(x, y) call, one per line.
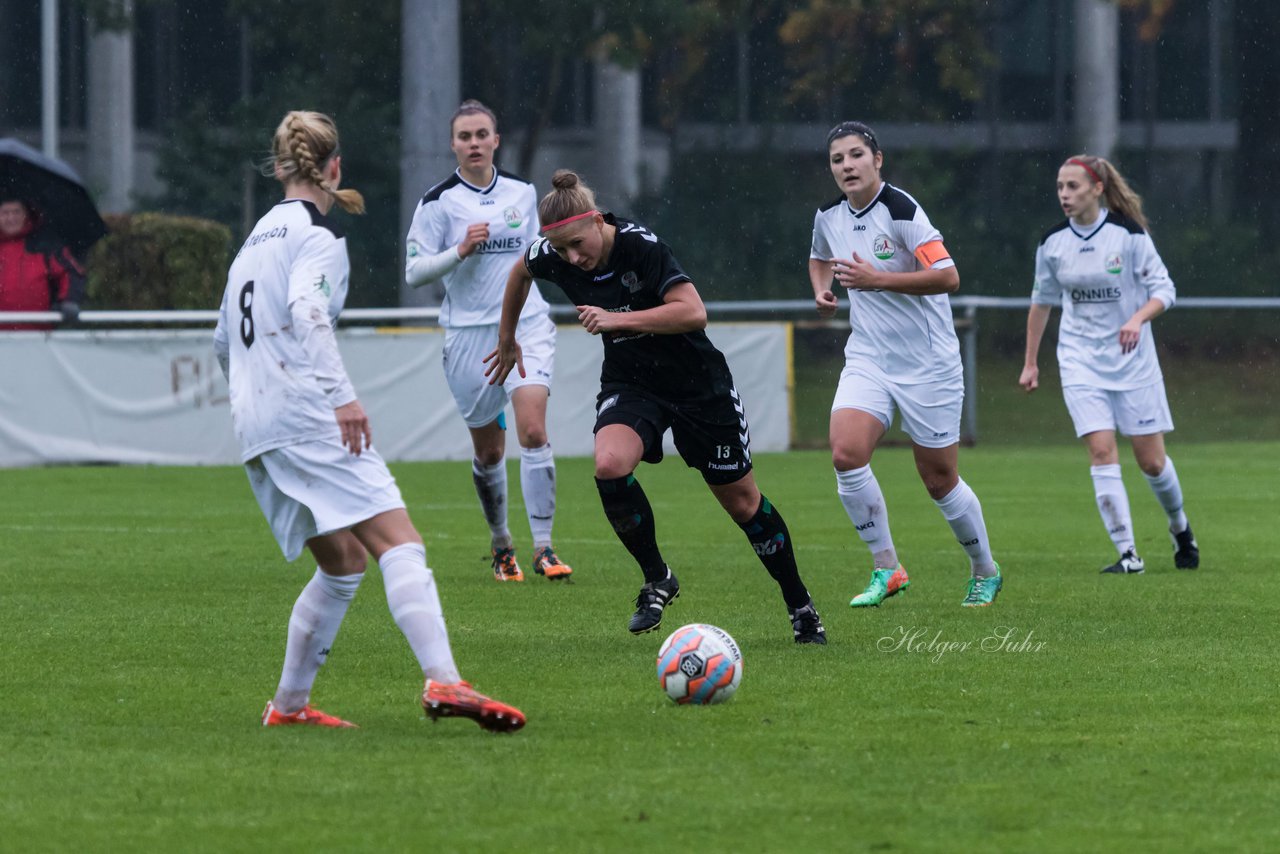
point(631, 280)
point(1115, 263)
point(513, 218)
point(882, 247)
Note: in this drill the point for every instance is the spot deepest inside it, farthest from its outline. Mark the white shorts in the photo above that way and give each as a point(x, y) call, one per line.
point(464, 350)
point(930, 411)
point(315, 488)
point(1134, 412)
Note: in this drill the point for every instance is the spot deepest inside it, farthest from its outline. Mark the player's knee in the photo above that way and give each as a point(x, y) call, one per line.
point(351, 559)
point(846, 458)
point(939, 483)
point(1151, 467)
point(489, 455)
point(533, 438)
point(611, 466)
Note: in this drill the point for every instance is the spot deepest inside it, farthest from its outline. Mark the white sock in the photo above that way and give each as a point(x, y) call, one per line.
point(860, 494)
point(415, 606)
point(1113, 504)
point(538, 484)
point(963, 512)
point(1169, 493)
point(312, 627)
point(491, 487)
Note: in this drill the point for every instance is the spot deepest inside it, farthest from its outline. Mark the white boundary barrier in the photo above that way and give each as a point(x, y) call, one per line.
point(417, 421)
point(157, 396)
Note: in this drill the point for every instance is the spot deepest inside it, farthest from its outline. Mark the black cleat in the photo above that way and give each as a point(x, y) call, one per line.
point(1128, 564)
point(806, 625)
point(654, 597)
point(1186, 554)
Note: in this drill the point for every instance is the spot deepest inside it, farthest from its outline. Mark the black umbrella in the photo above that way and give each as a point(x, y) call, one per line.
point(55, 190)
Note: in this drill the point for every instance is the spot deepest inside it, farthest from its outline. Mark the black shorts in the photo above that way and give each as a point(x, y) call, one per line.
point(711, 435)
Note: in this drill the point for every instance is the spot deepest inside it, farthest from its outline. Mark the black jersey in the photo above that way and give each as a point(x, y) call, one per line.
point(640, 269)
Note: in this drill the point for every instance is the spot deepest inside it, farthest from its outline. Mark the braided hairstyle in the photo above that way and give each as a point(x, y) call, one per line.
point(303, 144)
point(569, 197)
point(1116, 192)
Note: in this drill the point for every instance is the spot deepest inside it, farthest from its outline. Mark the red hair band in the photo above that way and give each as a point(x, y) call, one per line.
point(1077, 161)
point(567, 220)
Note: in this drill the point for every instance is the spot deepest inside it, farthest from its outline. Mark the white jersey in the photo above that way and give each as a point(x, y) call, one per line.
point(911, 339)
point(281, 393)
point(474, 289)
point(1102, 274)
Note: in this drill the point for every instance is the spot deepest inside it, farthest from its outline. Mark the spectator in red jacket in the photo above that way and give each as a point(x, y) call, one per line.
point(37, 272)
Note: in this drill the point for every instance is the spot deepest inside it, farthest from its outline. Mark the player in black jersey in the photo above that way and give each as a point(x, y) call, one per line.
point(660, 371)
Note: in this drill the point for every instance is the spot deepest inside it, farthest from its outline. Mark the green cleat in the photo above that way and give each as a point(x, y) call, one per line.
point(884, 583)
point(982, 591)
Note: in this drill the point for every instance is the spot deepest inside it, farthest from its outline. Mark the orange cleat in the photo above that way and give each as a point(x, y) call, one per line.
point(460, 700)
point(505, 567)
point(271, 716)
point(545, 562)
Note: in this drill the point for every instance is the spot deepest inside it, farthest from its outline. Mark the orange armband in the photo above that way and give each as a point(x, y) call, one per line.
point(931, 253)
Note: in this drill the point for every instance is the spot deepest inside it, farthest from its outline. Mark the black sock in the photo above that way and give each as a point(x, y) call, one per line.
point(772, 541)
point(628, 511)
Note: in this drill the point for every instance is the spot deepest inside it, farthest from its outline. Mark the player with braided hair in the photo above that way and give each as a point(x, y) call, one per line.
point(306, 442)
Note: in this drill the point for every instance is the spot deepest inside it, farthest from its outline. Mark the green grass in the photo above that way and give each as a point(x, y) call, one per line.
point(1211, 399)
point(144, 613)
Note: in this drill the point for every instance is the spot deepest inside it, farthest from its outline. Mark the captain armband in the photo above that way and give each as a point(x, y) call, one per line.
point(931, 253)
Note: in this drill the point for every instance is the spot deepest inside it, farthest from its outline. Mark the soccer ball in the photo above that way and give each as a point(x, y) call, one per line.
point(699, 664)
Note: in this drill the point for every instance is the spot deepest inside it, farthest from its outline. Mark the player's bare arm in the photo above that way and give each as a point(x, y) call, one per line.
point(507, 354)
point(1037, 320)
point(861, 275)
point(820, 278)
point(1131, 332)
point(682, 310)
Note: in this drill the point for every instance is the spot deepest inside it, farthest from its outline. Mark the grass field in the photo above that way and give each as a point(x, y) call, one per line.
point(1211, 399)
point(144, 613)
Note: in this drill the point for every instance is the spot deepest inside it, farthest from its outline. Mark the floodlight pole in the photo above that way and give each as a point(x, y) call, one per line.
point(49, 77)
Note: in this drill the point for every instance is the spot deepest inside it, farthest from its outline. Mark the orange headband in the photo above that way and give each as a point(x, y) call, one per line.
point(567, 220)
point(1080, 162)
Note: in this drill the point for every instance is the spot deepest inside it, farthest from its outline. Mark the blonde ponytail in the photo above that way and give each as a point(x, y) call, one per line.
point(1117, 195)
point(302, 145)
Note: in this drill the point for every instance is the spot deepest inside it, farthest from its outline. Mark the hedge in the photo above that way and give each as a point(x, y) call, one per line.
point(151, 261)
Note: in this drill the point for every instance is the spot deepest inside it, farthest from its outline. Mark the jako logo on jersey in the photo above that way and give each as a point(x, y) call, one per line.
point(513, 218)
point(631, 280)
point(322, 285)
point(603, 276)
point(1114, 263)
point(1095, 294)
point(859, 227)
point(486, 202)
point(882, 247)
point(1088, 248)
point(865, 526)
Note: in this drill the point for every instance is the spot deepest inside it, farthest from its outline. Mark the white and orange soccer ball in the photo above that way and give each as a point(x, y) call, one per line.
point(699, 664)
